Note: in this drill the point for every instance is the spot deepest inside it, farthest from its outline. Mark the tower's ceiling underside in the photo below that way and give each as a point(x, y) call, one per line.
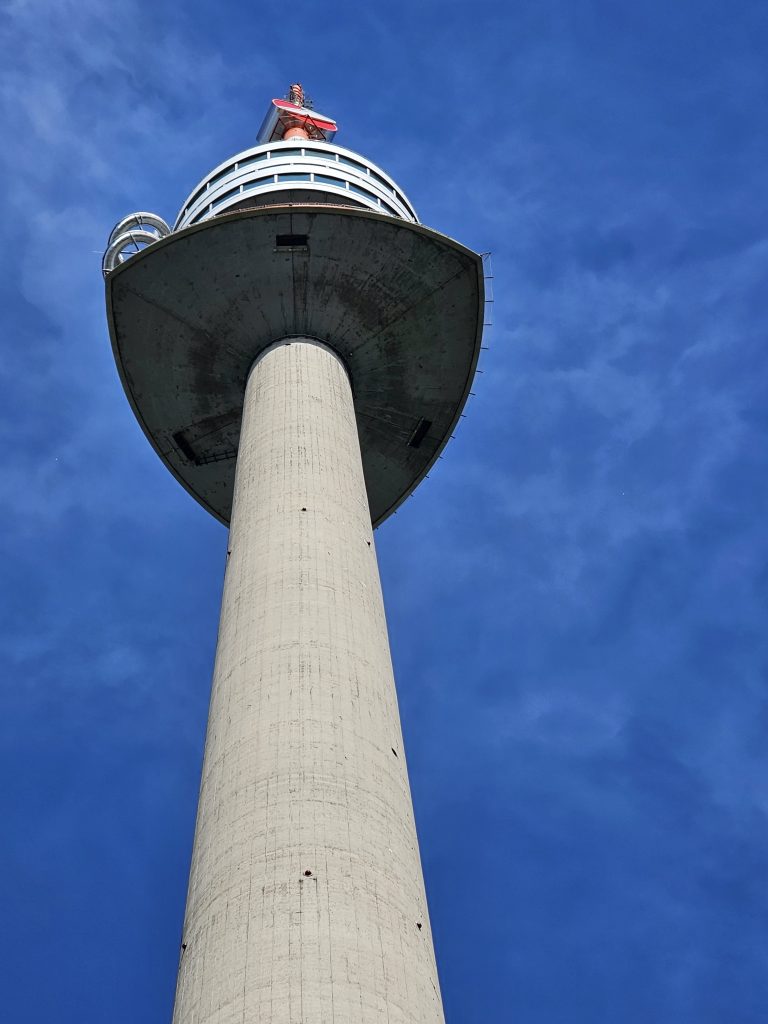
point(401, 304)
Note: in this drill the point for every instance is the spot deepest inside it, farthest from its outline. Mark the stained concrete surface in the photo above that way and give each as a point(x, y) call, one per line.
point(401, 304)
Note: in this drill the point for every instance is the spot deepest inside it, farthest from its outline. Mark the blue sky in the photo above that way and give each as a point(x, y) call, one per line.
point(576, 597)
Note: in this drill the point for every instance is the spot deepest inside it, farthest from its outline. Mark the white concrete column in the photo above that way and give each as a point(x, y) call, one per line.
point(306, 900)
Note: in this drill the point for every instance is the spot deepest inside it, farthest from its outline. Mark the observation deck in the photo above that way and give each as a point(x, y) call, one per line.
point(294, 237)
point(316, 172)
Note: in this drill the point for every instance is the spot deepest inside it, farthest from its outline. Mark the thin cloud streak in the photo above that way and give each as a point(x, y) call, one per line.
point(575, 596)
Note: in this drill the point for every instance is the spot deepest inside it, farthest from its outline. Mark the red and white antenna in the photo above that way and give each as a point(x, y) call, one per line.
point(293, 118)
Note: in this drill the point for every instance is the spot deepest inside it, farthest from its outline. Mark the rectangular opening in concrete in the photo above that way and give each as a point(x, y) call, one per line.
point(291, 241)
point(420, 432)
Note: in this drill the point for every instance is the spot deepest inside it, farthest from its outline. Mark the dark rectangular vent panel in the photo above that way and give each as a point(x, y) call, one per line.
point(191, 455)
point(422, 428)
point(291, 241)
point(184, 446)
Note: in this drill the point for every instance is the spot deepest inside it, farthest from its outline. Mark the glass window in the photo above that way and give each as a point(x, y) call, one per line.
point(361, 191)
point(220, 175)
point(326, 179)
point(320, 154)
point(381, 181)
point(352, 163)
point(258, 183)
point(200, 216)
point(200, 192)
point(252, 160)
point(226, 196)
point(276, 153)
point(293, 177)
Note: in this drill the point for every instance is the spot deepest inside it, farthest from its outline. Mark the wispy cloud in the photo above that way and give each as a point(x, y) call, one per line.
point(575, 596)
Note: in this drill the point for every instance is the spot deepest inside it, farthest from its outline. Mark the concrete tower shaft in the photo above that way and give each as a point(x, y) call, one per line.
point(306, 900)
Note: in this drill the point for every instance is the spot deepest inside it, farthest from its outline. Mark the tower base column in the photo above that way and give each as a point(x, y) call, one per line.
point(306, 900)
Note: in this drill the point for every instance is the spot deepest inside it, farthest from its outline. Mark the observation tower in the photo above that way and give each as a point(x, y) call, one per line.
point(297, 349)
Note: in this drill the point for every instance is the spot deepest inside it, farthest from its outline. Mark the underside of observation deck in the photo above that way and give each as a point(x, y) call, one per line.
point(401, 304)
